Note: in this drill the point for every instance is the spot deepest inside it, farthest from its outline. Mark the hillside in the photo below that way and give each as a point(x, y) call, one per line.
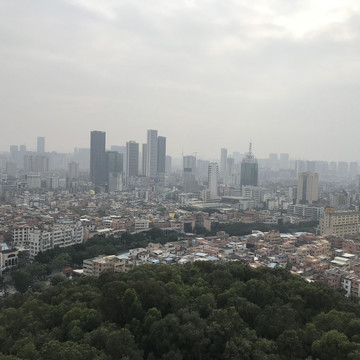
point(198, 311)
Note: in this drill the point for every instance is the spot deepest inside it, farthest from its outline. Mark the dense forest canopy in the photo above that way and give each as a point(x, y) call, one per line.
point(196, 311)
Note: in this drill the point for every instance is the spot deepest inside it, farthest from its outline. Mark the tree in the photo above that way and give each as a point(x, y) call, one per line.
point(22, 280)
point(121, 343)
point(332, 346)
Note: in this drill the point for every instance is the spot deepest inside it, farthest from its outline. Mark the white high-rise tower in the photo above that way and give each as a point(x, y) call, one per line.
point(213, 179)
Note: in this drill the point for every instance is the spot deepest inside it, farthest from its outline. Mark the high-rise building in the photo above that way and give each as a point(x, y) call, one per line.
point(168, 161)
point(144, 159)
point(223, 157)
point(114, 161)
point(98, 171)
point(189, 162)
point(202, 170)
point(308, 188)
point(189, 181)
point(132, 159)
point(249, 169)
point(73, 170)
point(151, 153)
point(22, 148)
point(300, 166)
point(353, 169)
point(36, 163)
point(161, 155)
point(114, 167)
point(273, 161)
point(213, 177)
point(230, 171)
point(11, 168)
point(343, 169)
point(237, 157)
point(284, 161)
point(40, 145)
point(13, 149)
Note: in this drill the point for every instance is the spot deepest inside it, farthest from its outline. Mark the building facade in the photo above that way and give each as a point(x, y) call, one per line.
point(98, 173)
point(151, 153)
point(249, 170)
point(339, 223)
point(308, 188)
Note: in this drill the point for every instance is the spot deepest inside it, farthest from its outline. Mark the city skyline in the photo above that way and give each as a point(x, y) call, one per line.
point(214, 75)
point(281, 157)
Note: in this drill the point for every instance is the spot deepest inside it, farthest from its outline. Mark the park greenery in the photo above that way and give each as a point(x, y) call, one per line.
point(197, 311)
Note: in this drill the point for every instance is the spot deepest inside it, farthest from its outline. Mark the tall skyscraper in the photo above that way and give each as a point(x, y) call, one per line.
point(168, 160)
point(151, 153)
point(98, 171)
point(41, 145)
point(308, 187)
point(144, 159)
point(189, 162)
point(132, 159)
point(213, 177)
point(230, 171)
point(161, 155)
point(114, 170)
point(189, 181)
point(223, 157)
point(249, 169)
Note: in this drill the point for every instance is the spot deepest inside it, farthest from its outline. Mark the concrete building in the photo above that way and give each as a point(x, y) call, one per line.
point(144, 159)
point(113, 263)
point(33, 181)
point(340, 200)
point(142, 224)
point(161, 155)
point(40, 145)
point(114, 168)
point(36, 163)
point(284, 161)
point(20, 235)
point(151, 153)
point(223, 157)
point(8, 258)
point(61, 236)
point(132, 159)
point(98, 173)
point(249, 169)
point(339, 223)
point(308, 188)
point(74, 170)
point(305, 211)
point(213, 178)
point(168, 163)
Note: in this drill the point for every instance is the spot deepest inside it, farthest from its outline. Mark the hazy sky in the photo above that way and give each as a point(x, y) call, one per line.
point(206, 73)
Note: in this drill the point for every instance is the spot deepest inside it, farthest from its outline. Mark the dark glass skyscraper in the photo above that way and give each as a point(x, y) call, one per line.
point(132, 159)
point(249, 170)
point(98, 171)
point(161, 153)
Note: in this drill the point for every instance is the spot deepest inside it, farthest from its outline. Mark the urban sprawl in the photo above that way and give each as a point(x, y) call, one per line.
point(275, 212)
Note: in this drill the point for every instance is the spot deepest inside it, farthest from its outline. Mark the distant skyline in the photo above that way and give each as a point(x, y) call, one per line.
point(207, 75)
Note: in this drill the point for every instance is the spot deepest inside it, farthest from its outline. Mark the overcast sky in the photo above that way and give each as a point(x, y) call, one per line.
point(205, 73)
